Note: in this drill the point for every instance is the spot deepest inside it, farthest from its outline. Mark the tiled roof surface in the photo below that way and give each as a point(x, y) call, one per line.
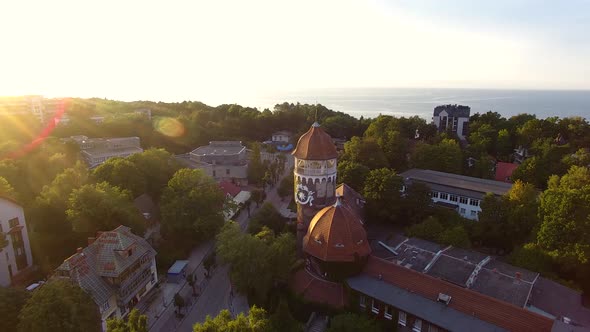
point(318, 290)
point(336, 234)
point(82, 270)
point(483, 307)
point(315, 144)
point(350, 197)
point(457, 181)
point(109, 249)
point(105, 257)
point(229, 188)
point(504, 171)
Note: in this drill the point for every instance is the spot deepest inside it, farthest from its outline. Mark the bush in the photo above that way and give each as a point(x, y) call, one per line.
point(430, 229)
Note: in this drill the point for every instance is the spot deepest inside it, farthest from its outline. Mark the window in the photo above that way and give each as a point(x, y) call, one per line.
point(417, 325)
point(462, 210)
point(214, 174)
point(454, 198)
point(19, 251)
point(444, 196)
point(374, 306)
point(387, 313)
point(463, 200)
point(433, 328)
point(1, 228)
point(105, 306)
point(227, 171)
point(473, 213)
point(474, 202)
point(402, 318)
point(362, 301)
point(12, 222)
point(435, 194)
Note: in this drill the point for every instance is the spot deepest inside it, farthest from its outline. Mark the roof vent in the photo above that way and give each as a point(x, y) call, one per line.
point(380, 277)
point(566, 320)
point(444, 298)
point(518, 275)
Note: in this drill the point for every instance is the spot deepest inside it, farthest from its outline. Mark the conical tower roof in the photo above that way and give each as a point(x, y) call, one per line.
point(336, 234)
point(315, 144)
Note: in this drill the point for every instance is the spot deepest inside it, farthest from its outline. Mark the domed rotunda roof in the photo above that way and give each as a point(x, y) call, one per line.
point(336, 234)
point(315, 144)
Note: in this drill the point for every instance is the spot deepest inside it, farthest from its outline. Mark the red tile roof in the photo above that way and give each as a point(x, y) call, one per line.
point(229, 188)
point(315, 144)
point(336, 234)
point(499, 313)
point(318, 290)
point(504, 171)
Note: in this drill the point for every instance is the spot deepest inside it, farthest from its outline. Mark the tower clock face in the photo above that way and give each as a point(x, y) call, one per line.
point(303, 195)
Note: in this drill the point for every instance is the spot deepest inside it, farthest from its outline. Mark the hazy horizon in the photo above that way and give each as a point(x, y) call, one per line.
point(228, 50)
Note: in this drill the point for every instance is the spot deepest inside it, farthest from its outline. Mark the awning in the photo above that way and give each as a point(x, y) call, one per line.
point(242, 197)
point(177, 267)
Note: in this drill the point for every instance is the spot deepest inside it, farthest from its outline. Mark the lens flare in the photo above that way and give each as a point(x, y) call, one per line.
point(169, 127)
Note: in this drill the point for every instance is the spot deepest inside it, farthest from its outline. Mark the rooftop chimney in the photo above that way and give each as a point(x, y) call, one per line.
point(79, 250)
point(444, 298)
point(518, 275)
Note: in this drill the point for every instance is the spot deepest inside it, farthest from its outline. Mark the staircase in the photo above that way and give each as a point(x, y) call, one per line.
point(317, 323)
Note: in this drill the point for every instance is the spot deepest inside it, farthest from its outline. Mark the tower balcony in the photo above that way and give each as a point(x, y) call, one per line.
point(315, 171)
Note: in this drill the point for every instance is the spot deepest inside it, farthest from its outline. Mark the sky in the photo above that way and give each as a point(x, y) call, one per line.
point(221, 50)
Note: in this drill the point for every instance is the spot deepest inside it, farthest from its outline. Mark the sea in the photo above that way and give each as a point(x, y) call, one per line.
point(370, 102)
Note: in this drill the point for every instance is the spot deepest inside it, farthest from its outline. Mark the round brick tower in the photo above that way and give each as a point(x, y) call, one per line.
point(315, 177)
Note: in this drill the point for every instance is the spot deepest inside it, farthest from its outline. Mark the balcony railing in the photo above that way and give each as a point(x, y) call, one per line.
point(315, 171)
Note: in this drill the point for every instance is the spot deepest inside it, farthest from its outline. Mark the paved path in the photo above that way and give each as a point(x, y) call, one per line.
point(215, 292)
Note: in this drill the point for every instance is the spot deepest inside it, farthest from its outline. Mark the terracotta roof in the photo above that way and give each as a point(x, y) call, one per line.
point(318, 290)
point(229, 188)
point(499, 313)
point(504, 171)
point(351, 198)
point(315, 144)
point(336, 234)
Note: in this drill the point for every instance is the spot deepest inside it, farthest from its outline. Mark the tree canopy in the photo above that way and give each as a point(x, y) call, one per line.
point(382, 192)
point(135, 322)
point(192, 207)
point(101, 207)
point(59, 306)
point(351, 322)
point(256, 261)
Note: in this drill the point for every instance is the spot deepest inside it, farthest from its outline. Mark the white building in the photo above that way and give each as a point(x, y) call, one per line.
point(16, 257)
point(461, 193)
point(282, 136)
point(98, 150)
point(117, 269)
point(453, 118)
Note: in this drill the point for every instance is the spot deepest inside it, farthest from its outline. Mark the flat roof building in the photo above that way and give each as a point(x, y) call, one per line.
point(222, 160)
point(96, 151)
point(460, 192)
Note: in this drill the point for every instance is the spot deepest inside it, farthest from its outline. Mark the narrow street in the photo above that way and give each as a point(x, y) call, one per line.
point(214, 293)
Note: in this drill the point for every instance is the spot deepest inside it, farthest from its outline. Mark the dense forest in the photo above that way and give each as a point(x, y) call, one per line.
point(542, 224)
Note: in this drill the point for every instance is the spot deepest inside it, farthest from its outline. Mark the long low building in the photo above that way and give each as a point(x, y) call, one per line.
point(96, 151)
point(459, 192)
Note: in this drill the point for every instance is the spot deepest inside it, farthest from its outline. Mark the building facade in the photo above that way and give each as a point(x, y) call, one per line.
point(282, 136)
point(117, 268)
point(15, 257)
point(452, 118)
point(458, 192)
